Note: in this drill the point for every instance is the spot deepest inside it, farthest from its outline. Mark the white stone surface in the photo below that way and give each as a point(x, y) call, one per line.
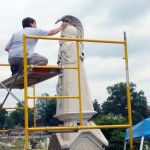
point(68, 110)
point(68, 80)
point(67, 139)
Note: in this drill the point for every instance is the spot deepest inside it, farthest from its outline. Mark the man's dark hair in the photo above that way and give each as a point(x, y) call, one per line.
point(26, 22)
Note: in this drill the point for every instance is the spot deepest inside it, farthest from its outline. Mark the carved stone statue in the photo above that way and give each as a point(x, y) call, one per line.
point(68, 109)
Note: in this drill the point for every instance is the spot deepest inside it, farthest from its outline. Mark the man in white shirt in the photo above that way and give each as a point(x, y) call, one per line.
point(15, 45)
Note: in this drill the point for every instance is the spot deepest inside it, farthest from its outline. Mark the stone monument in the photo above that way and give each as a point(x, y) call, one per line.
point(68, 110)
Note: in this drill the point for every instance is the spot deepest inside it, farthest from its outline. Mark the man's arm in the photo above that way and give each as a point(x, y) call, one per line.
point(56, 30)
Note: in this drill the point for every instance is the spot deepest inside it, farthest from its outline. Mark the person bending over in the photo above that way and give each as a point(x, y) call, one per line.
point(15, 45)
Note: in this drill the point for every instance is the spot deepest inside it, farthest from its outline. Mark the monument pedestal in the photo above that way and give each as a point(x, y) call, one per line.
point(89, 139)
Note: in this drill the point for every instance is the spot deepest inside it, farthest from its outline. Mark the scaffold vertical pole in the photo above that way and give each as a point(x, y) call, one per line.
point(34, 107)
point(25, 93)
point(128, 91)
point(79, 82)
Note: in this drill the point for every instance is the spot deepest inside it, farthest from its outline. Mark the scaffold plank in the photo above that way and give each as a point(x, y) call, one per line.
point(35, 76)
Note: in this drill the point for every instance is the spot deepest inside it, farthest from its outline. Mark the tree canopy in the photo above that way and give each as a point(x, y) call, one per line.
point(97, 108)
point(46, 109)
point(3, 116)
point(16, 118)
point(116, 103)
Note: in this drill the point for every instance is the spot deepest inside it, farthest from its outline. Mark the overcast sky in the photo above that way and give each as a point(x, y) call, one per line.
point(102, 19)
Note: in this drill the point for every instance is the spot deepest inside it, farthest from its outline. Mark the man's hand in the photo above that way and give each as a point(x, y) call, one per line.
point(56, 30)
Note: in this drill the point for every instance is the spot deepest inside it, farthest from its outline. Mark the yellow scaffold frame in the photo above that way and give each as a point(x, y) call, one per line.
point(81, 126)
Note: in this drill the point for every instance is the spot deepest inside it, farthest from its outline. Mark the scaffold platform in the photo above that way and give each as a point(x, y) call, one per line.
point(35, 76)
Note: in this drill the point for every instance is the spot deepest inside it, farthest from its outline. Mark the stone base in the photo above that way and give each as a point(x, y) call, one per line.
point(86, 141)
point(81, 140)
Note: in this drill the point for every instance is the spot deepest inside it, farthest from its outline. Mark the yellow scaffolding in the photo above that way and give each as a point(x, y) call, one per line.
point(78, 97)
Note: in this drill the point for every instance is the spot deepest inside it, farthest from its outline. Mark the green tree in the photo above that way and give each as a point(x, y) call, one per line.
point(116, 103)
point(97, 108)
point(9, 123)
point(16, 118)
point(46, 109)
point(3, 116)
point(114, 136)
